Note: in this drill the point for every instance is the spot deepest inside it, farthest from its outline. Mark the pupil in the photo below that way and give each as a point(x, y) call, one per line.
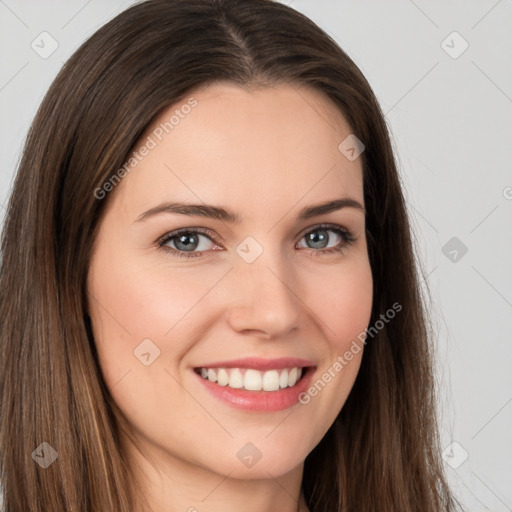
point(186, 245)
point(315, 238)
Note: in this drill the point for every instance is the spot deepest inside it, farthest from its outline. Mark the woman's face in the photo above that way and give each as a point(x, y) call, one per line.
point(266, 298)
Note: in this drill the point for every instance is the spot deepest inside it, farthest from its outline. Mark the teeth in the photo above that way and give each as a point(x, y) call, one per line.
point(253, 380)
point(283, 379)
point(271, 380)
point(222, 377)
point(236, 379)
point(292, 377)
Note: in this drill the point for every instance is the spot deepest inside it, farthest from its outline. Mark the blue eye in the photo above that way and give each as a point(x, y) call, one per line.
point(187, 242)
point(319, 237)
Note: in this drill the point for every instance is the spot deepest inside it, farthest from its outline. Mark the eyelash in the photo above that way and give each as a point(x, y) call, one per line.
point(346, 235)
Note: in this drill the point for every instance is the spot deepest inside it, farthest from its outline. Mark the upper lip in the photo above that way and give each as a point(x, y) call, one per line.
point(260, 364)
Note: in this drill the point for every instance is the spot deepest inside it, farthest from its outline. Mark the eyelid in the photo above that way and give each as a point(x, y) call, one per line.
point(203, 231)
point(324, 225)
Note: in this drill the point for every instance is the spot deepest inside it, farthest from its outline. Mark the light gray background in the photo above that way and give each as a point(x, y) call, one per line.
point(451, 122)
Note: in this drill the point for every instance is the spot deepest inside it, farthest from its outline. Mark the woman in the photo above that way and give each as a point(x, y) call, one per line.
point(209, 297)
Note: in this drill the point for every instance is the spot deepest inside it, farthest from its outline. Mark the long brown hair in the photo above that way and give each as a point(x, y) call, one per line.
point(382, 452)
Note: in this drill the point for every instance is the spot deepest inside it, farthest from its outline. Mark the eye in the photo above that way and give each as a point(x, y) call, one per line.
point(319, 238)
point(186, 242)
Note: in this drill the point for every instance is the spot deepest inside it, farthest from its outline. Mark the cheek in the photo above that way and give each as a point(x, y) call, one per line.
point(131, 302)
point(144, 301)
point(343, 309)
point(344, 303)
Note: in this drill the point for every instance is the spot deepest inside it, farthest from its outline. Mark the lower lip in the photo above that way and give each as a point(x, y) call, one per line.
point(259, 401)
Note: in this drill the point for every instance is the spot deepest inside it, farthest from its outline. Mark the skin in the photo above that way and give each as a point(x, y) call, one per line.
point(263, 153)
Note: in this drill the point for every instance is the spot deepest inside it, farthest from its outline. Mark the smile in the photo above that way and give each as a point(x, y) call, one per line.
point(255, 384)
point(251, 379)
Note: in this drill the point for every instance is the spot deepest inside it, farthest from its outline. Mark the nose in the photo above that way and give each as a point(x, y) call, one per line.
point(264, 300)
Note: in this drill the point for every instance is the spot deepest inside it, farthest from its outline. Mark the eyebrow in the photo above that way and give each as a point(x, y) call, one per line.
point(219, 213)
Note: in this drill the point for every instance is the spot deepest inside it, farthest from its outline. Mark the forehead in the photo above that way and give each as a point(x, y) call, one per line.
point(249, 148)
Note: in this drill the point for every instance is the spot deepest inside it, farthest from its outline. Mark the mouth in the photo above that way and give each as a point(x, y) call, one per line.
point(252, 379)
point(258, 385)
